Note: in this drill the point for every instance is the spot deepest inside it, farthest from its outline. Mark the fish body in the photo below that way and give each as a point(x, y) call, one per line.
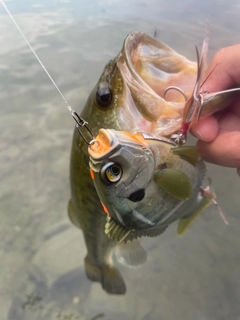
point(123, 100)
point(129, 96)
point(144, 184)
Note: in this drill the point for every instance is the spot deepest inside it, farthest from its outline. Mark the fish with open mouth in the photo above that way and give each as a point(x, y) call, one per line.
point(151, 89)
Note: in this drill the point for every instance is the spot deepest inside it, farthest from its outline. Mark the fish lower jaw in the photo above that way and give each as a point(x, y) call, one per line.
point(119, 233)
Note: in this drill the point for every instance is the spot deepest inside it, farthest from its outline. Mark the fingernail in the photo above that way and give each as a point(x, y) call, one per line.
point(198, 134)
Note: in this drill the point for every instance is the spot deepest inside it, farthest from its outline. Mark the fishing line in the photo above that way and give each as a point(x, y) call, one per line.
point(33, 51)
point(80, 122)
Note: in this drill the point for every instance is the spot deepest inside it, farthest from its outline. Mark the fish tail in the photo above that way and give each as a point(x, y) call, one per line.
point(110, 278)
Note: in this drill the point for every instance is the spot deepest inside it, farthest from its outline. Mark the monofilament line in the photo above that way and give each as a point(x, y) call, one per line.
point(33, 51)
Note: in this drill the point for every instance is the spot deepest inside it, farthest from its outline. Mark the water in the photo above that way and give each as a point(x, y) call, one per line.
point(41, 269)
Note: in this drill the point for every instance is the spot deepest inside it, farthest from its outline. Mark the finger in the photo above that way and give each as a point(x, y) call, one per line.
point(226, 65)
point(225, 68)
point(224, 150)
point(206, 129)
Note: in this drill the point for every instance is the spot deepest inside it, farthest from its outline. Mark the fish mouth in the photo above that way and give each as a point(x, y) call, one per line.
point(148, 67)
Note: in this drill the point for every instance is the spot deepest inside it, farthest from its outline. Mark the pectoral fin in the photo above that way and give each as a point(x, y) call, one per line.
point(174, 182)
point(188, 153)
point(184, 223)
point(131, 253)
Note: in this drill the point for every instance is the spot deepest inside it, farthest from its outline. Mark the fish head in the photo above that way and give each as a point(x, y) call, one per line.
point(130, 92)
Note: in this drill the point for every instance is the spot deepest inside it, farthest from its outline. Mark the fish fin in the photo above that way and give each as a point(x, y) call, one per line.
point(185, 223)
point(131, 253)
point(110, 278)
point(174, 182)
point(188, 153)
point(72, 215)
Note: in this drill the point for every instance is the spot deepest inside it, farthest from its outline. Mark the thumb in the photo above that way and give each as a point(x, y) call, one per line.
point(206, 129)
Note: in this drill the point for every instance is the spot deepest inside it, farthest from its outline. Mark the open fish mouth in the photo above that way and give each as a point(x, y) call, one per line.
point(148, 67)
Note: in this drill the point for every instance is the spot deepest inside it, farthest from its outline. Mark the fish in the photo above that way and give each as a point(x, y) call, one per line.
point(132, 95)
point(146, 183)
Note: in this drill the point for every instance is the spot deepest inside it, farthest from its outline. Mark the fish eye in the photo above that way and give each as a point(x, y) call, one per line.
point(111, 172)
point(104, 97)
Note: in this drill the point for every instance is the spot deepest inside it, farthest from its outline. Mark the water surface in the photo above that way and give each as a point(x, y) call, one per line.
point(41, 269)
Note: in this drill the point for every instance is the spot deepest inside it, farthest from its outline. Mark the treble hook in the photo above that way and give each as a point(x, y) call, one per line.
point(178, 138)
point(174, 88)
point(201, 103)
point(80, 122)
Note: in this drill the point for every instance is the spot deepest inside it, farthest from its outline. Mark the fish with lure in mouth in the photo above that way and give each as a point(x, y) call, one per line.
point(133, 95)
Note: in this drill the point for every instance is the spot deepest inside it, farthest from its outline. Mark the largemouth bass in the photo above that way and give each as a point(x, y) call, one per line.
point(130, 96)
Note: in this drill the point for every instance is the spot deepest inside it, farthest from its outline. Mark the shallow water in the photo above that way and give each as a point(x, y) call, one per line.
point(41, 269)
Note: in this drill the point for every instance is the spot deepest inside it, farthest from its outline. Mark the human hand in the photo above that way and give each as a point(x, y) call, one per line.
point(219, 134)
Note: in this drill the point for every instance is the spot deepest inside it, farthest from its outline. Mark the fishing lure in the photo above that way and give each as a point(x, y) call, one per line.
point(146, 183)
